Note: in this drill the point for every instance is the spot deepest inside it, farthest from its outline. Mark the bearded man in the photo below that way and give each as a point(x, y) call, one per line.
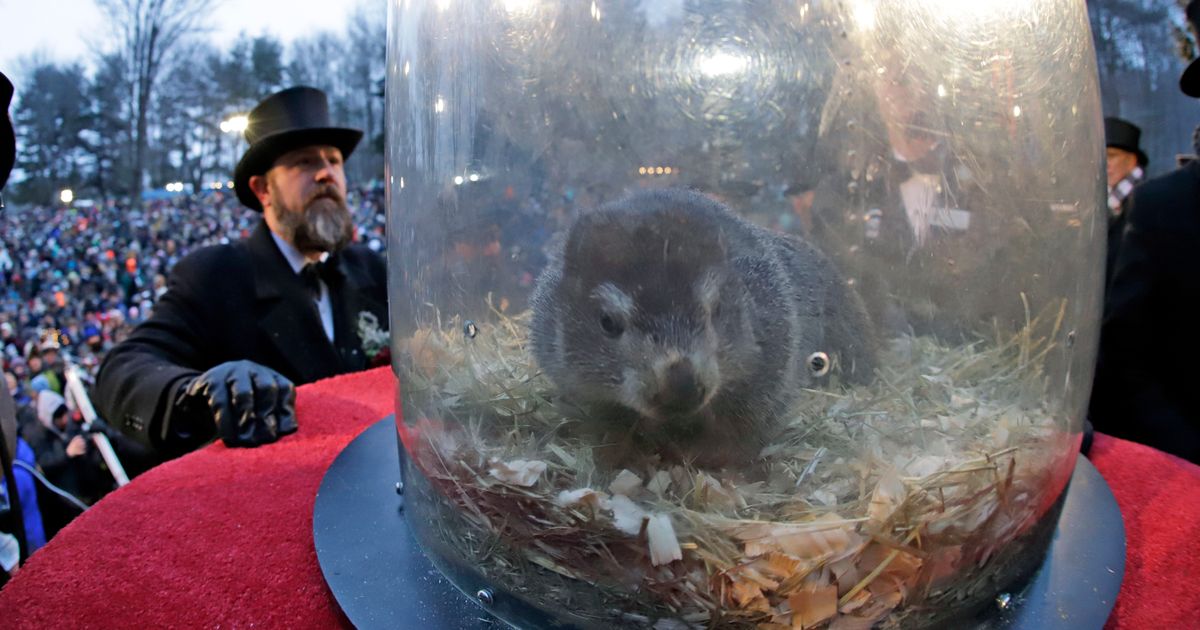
point(242, 324)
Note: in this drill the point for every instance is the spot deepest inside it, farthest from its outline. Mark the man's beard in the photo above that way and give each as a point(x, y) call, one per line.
point(324, 225)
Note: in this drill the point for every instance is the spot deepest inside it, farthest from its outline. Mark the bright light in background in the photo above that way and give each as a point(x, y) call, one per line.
point(722, 63)
point(518, 6)
point(595, 12)
point(235, 124)
point(442, 5)
point(439, 105)
point(863, 12)
point(458, 180)
point(66, 196)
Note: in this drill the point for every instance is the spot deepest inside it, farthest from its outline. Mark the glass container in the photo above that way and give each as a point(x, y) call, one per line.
point(729, 314)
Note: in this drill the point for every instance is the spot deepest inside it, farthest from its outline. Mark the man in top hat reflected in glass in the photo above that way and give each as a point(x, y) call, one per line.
point(242, 324)
point(1145, 388)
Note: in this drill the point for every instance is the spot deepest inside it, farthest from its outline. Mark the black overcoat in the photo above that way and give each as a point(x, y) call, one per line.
point(231, 302)
point(1116, 230)
point(1147, 387)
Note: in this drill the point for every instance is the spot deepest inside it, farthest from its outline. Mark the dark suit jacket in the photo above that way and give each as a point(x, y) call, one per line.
point(1116, 230)
point(231, 302)
point(1146, 386)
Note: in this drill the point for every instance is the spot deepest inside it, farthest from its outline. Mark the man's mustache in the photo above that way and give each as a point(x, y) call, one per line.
point(326, 192)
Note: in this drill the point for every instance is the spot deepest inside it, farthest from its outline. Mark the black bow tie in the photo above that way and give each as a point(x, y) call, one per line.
point(312, 273)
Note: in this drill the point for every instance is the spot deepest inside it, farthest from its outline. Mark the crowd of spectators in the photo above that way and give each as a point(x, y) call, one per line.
point(75, 280)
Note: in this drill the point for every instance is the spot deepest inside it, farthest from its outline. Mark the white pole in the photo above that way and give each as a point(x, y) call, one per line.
point(78, 395)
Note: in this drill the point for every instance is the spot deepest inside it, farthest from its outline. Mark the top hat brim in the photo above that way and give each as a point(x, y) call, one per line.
point(8, 147)
point(1189, 81)
point(8, 138)
point(261, 155)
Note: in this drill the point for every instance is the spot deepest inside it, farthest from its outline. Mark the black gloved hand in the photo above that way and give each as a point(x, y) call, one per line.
point(251, 404)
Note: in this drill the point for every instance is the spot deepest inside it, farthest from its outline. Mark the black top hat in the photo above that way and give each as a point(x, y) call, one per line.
point(1126, 136)
point(8, 140)
point(284, 121)
point(1189, 82)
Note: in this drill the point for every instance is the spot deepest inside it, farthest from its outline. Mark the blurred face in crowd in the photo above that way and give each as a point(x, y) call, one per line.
point(304, 199)
point(1120, 164)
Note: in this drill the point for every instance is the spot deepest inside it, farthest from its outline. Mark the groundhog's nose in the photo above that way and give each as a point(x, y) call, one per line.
point(680, 392)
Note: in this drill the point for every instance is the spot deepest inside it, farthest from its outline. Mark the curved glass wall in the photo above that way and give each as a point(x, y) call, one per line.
point(726, 313)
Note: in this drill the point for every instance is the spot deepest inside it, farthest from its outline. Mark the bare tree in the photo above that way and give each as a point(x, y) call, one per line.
point(148, 31)
point(52, 118)
point(1141, 48)
point(366, 66)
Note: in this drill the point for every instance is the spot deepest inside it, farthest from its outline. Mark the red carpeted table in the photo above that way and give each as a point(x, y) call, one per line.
point(223, 537)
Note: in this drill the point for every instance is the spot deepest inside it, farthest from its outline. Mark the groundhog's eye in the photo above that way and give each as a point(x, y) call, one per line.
point(611, 325)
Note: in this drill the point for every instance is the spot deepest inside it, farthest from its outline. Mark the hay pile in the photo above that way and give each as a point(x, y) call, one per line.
point(877, 502)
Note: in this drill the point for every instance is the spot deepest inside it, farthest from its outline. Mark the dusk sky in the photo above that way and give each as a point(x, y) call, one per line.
point(66, 30)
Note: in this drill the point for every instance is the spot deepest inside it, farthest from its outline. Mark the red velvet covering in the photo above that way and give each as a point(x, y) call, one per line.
point(224, 536)
point(1159, 496)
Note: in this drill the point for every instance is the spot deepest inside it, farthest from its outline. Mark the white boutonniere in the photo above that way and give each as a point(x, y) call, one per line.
point(375, 340)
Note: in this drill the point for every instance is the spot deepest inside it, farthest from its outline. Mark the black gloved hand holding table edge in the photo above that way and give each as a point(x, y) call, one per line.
point(248, 404)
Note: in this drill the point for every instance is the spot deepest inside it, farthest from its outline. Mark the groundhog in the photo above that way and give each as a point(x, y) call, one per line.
point(678, 326)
